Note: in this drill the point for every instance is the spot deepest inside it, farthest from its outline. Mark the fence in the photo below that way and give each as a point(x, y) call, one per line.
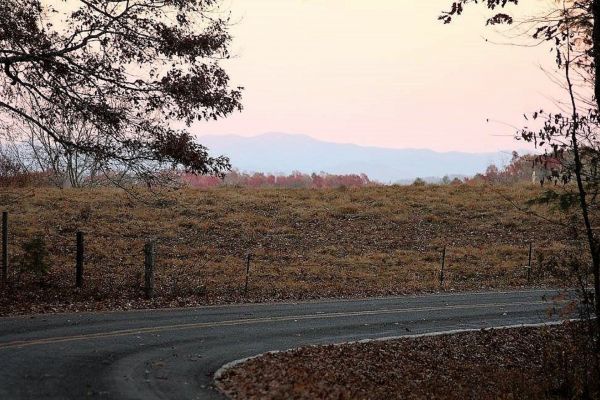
point(250, 264)
point(149, 260)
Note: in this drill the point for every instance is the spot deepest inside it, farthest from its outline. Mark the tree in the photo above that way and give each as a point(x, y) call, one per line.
point(568, 23)
point(492, 172)
point(573, 29)
point(128, 69)
point(63, 166)
point(419, 182)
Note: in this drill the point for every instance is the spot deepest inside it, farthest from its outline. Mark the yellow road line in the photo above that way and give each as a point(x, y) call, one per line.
point(247, 321)
point(299, 302)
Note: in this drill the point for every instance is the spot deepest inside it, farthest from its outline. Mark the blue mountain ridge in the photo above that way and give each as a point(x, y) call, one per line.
point(282, 153)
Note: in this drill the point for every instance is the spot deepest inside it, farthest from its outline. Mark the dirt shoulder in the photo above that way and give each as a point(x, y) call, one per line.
point(516, 363)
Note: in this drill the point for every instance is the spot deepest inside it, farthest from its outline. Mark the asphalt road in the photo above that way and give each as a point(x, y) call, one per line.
point(173, 354)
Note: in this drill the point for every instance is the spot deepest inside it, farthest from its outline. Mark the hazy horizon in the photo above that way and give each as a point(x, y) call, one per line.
point(282, 154)
point(520, 149)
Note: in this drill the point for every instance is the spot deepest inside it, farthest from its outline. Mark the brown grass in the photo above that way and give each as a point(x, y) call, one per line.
point(306, 243)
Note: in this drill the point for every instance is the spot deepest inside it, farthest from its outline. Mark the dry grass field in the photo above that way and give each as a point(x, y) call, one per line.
point(305, 243)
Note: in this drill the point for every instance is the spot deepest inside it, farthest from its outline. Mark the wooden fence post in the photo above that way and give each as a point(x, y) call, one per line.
point(149, 259)
point(79, 261)
point(442, 269)
point(247, 273)
point(529, 262)
point(4, 247)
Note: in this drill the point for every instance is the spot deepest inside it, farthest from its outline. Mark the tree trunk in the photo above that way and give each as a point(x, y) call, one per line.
point(596, 55)
point(596, 49)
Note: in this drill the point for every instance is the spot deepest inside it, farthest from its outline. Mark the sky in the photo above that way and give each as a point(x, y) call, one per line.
point(382, 73)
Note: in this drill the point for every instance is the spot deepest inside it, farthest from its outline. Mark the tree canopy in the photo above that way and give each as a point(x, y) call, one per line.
point(130, 69)
point(568, 25)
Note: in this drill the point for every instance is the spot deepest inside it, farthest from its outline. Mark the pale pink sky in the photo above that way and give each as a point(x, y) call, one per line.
point(381, 73)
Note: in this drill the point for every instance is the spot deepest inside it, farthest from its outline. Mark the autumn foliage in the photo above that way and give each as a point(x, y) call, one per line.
point(533, 168)
point(294, 180)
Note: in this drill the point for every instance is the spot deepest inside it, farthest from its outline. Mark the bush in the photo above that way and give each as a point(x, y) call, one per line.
point(419, 182)
point(12, 174)
point(34, 259)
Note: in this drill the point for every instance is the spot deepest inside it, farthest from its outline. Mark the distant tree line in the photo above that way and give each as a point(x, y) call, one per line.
point(294, 180)
point(27, 166)
point(537, 169)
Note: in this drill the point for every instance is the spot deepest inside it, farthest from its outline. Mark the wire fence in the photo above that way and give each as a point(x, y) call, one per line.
point(432, 262)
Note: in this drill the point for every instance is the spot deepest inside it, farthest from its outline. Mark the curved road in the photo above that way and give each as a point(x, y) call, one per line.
point(173, 354)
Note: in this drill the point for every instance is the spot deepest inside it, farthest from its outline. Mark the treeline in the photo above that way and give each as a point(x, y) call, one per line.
point(39, 165)
point(18, 171)
point(529, 168)
point(537, 169)
point(294, 180)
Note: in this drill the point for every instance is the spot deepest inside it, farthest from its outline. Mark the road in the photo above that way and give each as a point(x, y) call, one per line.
point(173, 354)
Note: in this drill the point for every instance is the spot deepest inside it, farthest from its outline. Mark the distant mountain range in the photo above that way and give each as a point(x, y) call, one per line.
point(285, 153)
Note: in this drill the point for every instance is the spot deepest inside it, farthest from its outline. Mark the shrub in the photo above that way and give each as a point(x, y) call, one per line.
point(419, 182)
point(12, 174)
point(34, 258)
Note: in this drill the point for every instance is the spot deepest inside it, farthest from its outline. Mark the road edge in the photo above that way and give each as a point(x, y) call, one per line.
point(450, 293)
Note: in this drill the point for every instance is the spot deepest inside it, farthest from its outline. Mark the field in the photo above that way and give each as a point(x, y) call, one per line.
point(305, 244)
